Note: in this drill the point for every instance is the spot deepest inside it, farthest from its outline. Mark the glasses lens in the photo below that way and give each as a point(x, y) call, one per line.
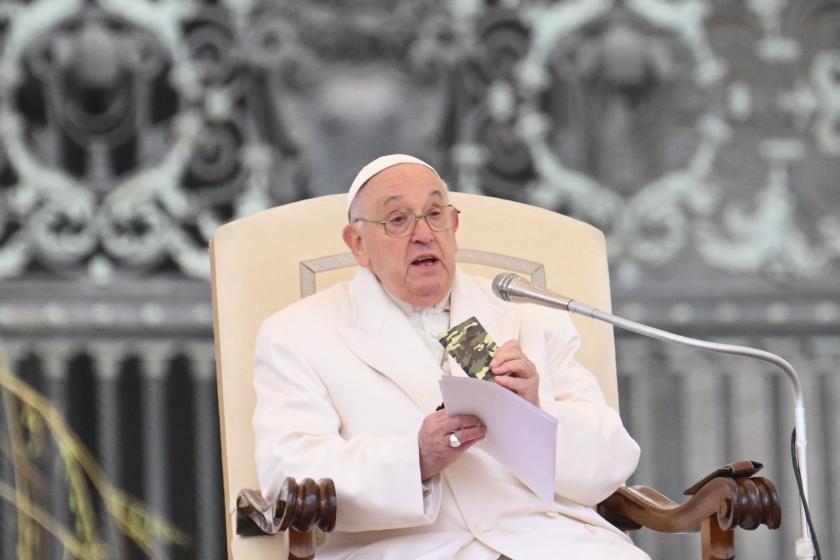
point(399, 224)
point(439, 218)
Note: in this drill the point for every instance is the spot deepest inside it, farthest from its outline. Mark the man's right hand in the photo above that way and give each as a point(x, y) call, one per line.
point(435, 452)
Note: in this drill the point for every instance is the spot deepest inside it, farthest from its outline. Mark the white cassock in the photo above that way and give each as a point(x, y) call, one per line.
point(343, 382)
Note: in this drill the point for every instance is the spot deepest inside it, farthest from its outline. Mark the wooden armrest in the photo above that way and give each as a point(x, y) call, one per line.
point(299, 508)
point(719, 505)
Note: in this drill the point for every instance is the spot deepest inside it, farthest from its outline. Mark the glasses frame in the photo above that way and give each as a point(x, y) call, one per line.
point(417, 218)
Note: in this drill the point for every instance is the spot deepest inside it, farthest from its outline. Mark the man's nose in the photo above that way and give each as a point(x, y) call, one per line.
point(422, 232)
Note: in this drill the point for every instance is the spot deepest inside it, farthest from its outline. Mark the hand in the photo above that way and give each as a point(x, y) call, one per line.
point(435, 452)
point(513, 370)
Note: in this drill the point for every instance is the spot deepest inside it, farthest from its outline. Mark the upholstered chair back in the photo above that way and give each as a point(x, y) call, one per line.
point(263, 262)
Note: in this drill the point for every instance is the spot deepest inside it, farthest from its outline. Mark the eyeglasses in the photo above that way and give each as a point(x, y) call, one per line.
point(439, 218)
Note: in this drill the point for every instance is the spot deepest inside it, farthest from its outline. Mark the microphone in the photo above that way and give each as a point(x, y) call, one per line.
point(513, 288)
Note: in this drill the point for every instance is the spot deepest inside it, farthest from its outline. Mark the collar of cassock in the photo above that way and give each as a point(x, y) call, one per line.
point(408, 309)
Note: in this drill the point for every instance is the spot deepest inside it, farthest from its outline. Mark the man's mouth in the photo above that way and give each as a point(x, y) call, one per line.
point(425, 260)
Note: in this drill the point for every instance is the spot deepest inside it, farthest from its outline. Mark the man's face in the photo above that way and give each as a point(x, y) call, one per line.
point(418, 269)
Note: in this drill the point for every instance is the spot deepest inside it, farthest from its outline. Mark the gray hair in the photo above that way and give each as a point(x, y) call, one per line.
point(352, 216)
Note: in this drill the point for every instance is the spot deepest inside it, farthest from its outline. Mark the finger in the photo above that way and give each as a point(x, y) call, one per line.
point(514, 383)
point(458, 430)
point(510, 351)
point(465, 444)
point(460, 435)
point(469, 444)
point(438, 416)
point(469, 434)
point(507, 346)
point(434, 421)
point(520, 367)
point(461, 422)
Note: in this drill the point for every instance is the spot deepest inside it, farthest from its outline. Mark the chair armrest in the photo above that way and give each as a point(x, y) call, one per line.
point(719, 505)
point(745, 503)
point(299, 508)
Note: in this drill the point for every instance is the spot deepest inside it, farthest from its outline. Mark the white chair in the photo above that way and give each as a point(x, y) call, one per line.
point(263, 262)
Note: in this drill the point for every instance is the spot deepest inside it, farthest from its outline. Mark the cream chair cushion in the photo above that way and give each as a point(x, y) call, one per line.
point(266, 261)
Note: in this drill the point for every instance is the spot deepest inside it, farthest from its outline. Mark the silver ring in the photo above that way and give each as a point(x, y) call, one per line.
point(454, 441)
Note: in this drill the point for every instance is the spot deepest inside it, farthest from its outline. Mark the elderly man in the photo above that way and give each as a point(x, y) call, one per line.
point(347, 387)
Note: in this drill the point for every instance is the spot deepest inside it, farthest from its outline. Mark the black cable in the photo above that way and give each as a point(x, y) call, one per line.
point(798, 476)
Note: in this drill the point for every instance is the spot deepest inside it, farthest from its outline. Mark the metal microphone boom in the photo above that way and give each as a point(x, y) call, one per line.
point(512, 287)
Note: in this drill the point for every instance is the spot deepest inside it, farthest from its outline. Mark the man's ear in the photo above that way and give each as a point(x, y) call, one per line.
point(353, 240)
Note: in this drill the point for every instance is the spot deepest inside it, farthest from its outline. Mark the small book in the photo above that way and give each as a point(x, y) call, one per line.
point(472, 347)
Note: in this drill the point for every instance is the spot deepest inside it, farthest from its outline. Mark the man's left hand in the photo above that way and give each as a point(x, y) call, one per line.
point(513, 370)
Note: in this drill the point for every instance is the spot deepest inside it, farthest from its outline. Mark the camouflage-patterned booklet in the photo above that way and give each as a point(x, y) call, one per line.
point(472, 347)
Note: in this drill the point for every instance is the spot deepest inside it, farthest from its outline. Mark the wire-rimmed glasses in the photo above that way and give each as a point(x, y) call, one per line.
point(402, 224)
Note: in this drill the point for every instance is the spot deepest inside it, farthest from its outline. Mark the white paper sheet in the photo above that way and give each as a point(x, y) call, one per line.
point(521, 436)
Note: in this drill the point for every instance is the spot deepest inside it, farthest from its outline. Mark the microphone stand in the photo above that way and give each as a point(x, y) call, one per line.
point(511, 287)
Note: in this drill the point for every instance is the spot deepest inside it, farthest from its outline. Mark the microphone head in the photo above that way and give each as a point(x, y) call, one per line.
point(516, 289)
point(501, 284)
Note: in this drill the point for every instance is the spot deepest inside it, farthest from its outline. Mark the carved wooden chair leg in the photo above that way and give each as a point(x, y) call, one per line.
point(717, 544)
point(301, 545)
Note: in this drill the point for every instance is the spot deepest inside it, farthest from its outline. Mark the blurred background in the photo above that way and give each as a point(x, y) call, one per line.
point(702, 135)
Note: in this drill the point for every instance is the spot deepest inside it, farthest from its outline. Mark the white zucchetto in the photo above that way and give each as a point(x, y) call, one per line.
point(376, 166)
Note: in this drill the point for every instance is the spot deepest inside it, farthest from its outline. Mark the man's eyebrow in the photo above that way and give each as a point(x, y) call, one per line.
point(398, 197)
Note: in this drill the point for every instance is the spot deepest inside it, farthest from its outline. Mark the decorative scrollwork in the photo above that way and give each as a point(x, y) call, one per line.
point(732, 502)
point(669, 125)
point(630, 115)
point(125, 135)
point(300, 506)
